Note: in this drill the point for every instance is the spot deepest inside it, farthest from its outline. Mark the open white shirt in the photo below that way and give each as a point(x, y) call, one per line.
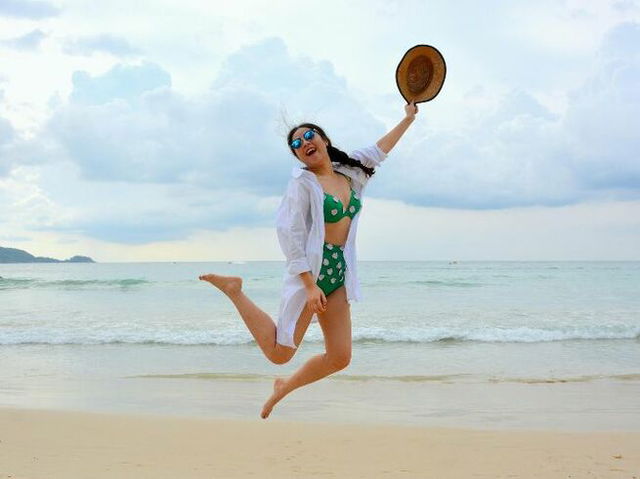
point(300, 228)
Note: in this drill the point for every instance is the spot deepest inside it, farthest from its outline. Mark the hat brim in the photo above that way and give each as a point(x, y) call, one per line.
point(421, 73)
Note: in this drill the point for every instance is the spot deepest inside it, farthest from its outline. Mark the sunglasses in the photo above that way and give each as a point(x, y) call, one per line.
point(308, 135)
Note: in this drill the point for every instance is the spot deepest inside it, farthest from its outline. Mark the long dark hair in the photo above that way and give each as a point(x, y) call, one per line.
point(335, 155)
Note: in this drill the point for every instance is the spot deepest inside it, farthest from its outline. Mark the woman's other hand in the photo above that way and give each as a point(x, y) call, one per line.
point(316, 300)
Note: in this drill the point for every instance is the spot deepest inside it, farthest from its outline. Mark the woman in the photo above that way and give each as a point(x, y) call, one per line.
point(317, 235)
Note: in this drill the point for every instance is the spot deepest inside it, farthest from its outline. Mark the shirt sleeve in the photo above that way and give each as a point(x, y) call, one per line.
point(370, 156)
point(291, 227)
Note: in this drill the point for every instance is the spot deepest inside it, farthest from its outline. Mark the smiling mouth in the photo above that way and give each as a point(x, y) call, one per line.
point(310, 151)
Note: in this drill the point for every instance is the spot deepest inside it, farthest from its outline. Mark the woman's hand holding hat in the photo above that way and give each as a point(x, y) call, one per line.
point(410, 110)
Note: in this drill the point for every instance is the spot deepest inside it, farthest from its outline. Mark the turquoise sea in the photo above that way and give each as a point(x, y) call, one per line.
point(473, 344)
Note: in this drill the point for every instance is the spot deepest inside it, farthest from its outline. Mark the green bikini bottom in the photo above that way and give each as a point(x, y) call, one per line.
point(331, 275)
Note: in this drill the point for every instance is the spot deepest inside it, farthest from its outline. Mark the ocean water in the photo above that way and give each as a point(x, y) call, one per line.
point(487, 344)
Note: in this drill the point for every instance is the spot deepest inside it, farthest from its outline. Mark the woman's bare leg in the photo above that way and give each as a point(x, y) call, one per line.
point(336, 327)
point(260, 324)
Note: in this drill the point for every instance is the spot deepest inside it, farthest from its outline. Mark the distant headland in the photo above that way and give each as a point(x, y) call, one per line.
point(13, 255)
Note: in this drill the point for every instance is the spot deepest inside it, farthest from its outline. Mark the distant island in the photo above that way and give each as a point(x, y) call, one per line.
point(13, 255)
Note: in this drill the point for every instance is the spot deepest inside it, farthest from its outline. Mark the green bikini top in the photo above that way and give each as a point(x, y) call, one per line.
point(333, 210)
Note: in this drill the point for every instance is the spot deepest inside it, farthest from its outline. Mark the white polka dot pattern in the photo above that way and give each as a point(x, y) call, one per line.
point(331, 274)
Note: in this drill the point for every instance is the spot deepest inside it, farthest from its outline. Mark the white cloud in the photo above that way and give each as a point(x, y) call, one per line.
point(126, 82)
point(25, 205)
point(50, 198)
point(7, 141)
point(6, 132)
point(105, 43)
point(518, 153)
point(151, 164)
point(28, 41)
point(133, 213)
point(504, 156)
point(32, 9)
point(128, 125)
point(602, 118)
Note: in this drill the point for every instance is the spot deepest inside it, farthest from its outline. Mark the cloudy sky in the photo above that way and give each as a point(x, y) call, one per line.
point(155, 130)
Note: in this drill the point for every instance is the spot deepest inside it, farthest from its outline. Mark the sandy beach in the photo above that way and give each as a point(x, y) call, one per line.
point(54, 444)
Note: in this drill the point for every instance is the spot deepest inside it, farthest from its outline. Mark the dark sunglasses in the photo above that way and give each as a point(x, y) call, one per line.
point(308, 135)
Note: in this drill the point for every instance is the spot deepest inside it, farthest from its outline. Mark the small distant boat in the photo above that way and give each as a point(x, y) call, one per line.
point(453, 262)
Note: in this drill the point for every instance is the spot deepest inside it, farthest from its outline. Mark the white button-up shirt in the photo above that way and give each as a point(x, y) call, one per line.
point(300, 228)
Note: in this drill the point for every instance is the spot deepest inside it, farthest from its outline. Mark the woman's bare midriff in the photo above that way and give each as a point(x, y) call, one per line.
point(336, 233)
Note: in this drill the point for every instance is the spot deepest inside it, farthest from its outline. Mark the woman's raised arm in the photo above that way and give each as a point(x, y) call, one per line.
point(388, 141)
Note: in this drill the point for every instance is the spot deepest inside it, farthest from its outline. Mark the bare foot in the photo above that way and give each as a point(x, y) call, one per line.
point(226, 284)
point(278, 393)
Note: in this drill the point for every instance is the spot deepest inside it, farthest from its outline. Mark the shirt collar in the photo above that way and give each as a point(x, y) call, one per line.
point(297, 171)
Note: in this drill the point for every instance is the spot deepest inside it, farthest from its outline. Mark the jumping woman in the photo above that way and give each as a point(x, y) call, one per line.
point(316, 223)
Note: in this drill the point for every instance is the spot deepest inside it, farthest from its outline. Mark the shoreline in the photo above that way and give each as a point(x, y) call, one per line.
point(234, 382)
point(70, 444)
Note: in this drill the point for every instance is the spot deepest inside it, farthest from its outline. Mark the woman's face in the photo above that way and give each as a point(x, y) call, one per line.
point(312, 152)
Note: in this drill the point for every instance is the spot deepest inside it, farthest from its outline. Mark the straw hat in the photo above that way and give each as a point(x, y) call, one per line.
point(420, 73)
